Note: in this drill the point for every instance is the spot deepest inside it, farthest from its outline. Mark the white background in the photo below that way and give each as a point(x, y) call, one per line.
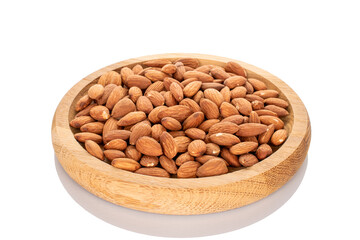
point(48, 46)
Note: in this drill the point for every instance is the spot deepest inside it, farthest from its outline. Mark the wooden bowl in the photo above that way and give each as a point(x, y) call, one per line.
point(182, 196)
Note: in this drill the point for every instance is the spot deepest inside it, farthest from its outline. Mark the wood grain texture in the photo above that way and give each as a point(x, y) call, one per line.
point(182, 196)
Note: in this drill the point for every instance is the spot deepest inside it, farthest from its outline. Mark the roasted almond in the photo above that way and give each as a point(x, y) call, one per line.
point(157, 63)
point(168, 164)
point(251, 129)
point(83, 136)
point(168, 145)
point(117, 144)
point(171, 123)
point(177, 133)
point(116, 134)
point(206, 125)
point(155, 75)
point(156, 98)
point(133, 153)
point(154, 114)
point(190, 62)
point(156, 86)
point(188, 169)
point(199, 75)
point(107, 91)
point(236, 68)
point(209, 108)
point(267, 120)
point(131, 118)
point(243, 147)
point(263, 112)
point(116, 94)
point(193, 121)
point(137, 69)
point(197, 148)
point(230, 158)
point(252, 97)
point(134, 93)
point(180, 70)
point(212, 149)
point(198, 96)
point(109, 125)
point(277, 102)
point(82, 103)
point(249, 88)
point(237, 119)
point(227, 110)
point(94, 149)
point(149, 146)
point(138, 131)
point(242, 105)
point(265, 137)
point(126, 164)
point(169, 99)
point(257, 105)
point(156, 131)
point(179, 112)
point(182, 158)
point(281, 112)
point(254, 117)
point(279, 137)
point(86, 111)
point(110, 77)
point(219, 73)
point(195, 133)
point(212, 167)
point(248, 160)
point(149, 161)
point(267, 93)
point(169, 68)
point(224, 139)
point(153, 171)
point(214, 95)
point(182, 143)
point(96, 91)
point(168, 81)
point(93, 127)
point(194, 107)
point(123, 107)
point(143, 104)
point(263, 151)
point(125, 73)
point(100, 113)
point(111, 154)
point(234, 81)
point(138, 81)
point(192, 88)
point(223, 127)
point(176, 91)
point(80, 121)
point(238, 92)
point(257, 84)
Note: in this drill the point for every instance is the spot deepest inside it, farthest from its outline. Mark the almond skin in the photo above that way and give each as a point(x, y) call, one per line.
point(156, 98)
point(138, 81)
point(236, 68)
point(209, 108)
point(123, 107)
point(126, 164)
point(194, 107)
point(224, 127)
point(197, 148)
point(125, 73)
point(111, 77)
point(263, 151)
point(234, 81)
point(266, 136)
point(107, 91)
point(237, 119)
point(149, 161)
point(180, 70)
point(117, 144)
point(156, 131)
point(242, 105)
point(157, 62)
point(190, 62)
point(279, 137)
point(177, 133)
point(281, 112)
point(224, 139)
point(94, 149)
point(187, 81)
point(138, 131)
point(116, 134)
point(219, 73)
point(80, 121)
point(149, 146)
point(254, 117)
point(82, 103)
point(100, 113)
point(188, 169)
point(134, 93)
point(193, 121)
point(176, 91)
point(93, 127)
point(195, 133)
point(168, 164)
point(169, 99)
point(153, 171)
point(133, 153)
point(225, 91)
point(109, 125)
point(168, 145)
point(179, 112)
point(214, 95)
point(230, 158)
point(198, 96)
point(206, 125)
point(111, 154)
point(185, 157)
point(192, 88)
point(248, 160)
point(227, 110)
point(251, 129)
point(277, 102)
point(212, 167)
point(257, 105)
point(83, 136)
point(169, 68)
point(171, 123)
point(267, 120)
point(212, 149)
point(155, 75)
point(154, 114)
point(199, 75)
point(115, 96)
point(131, 118)
point(257, 84)
point(137, 69)
point(243, 147)
point(263, 112)
point(96, 91)
point(267, 93)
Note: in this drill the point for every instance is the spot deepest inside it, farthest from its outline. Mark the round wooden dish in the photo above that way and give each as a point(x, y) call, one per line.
point(182, 196)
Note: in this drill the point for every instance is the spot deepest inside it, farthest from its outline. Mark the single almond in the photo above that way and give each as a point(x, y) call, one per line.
point(197, 148)
point(168, 81)
point(111, 154)
point(192, 88)
point(96, 91)
point(188, 81)
point(249, 139)
point(236, 68)
point(237, 119)
point(193, 121)
point(182, 143)
point(80, 121)
point(265, 137)
point(243, 147)
point(267, 93)
point(257, 84)
point(227, 110)
point(83, 136)
point(248, 160)
point(168, 164)
point(212, 149)
point(107, 91)
point(206, 125)
point(214, 95)
point(125, 73)
point(263, 112)
point(263, 151)
point(267, 120)
point(279, 137)
point(93, 127)
point(277, 102)
point(155, 98)
point(110, 77)
point(133, 153)
point(230, 158)
point(281, 112)
point(137, 69)
point(257, 105)
point(100, 113)
point(199, 75)
point(153, 171)
point(224, 139)
point(195, 133)
point(154, 114)
point(148, 146)
point(190, 62)
point(131, 118)
point(134, 93)
point(234, 81)
point(238, 92)
point(169, 68)
point(126, 164)
point(94, 149)
point(249, 88)
point(171, 123)
point(205, 68)
point(183, 158)
point(123, 107)
point(156, 131)
point(223, 127)
point(252, 97)
point(170, 99)
point(179, 112)
point(251, 129)
point(219, 73)
point(168, 145)
point(177, 133)
point(109, 125)
point(254, 117)
point(225, 91)
point(198, 96)
point(138, 81)
point(209, 108)
point(188, 169)
point(82, 103)
point(117, 93)
point(156, 86)
point(144, 104)
point(117, 144)
point(139, 131)
point(194, 107)
point(180, 70)
point(157, 63)
point(116, 134)
point(242, 105)
point(212, 167)
point(176, 91)
point(149, 161)
point(213, 85)
point(155, 75)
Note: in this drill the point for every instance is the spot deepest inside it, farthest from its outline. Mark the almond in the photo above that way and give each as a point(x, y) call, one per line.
point(204, 158)
point(230, 158)
point(82, 103)
point(179, 112)
point(254, 117)
point(176, 91)
point(249, 139)
point(183, 158)
point(86, 111)
point(192, 88)
point(249, 88)
point(267, 120)
point(168, 81)
point(80, 121)
point(236, 68)
point(279, 137)
point(180, 70)
point(213, 85)
point(135, 93)
point(157, 62)
point(195, 133)
point(109, 125)
point(212, 167)
point(257, 84)
point(209, 108)
point(115, 96)
point(156, 86)
point(252, 97)
point(248, 160)
point(277, 102)
point(242, 105)
point(197, 148)
point(206, 125)
point(110, 77)
point(117, 144)
point(225, 91)
point(116, 134)
point(146, 121)
point(131, 118)
point(93, 127)
point(203, 77)
point(133, 153)
point(263, 112)
point(123, 107)
point(154, 114)
point(265, 137)
point(243, 147)
point(94, 149)
point(212, 149)
point(224, 139)
point(138, 81)
point(190, 62)
point(149, 161)
point(137, 69)
point(169, 68)
point(155, 75)
point(111, 154)
point(171, 123)
point(234, 81)
point(188, 81)
point(139, 130)
point(198, 96)
point(263, 151)
point(238, 92)
point(100, 113)
point(267, 93)
point(194, 107)
point(83, 136)
point(227, 110)
point(237, 119)
point(156, 98)
point(170, 99)
point(188, 169)
point(143, 104)
point(205, 68)
point(168, 145)
point(96, 91)
point(224, 127)
point(148, 146)
point(125, 73)
point(182, 143)
point(251, 129)
point(156, 131)
point(193, 121)
point(219, 73)
point(257, 105)
point(214, 95)
point(126, 164)
point(107, 91)
point(168, 164)
point(177, 133)
point(153, 171)
point(281, 112)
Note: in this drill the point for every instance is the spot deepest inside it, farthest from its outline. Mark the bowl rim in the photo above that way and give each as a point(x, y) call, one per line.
point(66, 146)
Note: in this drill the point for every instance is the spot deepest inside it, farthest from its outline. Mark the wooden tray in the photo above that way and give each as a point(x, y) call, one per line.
point(182, 196)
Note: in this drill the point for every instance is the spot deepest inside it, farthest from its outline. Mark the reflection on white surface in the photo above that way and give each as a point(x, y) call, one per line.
point(175, 225)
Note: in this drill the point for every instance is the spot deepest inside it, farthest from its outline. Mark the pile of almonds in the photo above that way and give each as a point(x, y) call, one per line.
point(176, 118)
